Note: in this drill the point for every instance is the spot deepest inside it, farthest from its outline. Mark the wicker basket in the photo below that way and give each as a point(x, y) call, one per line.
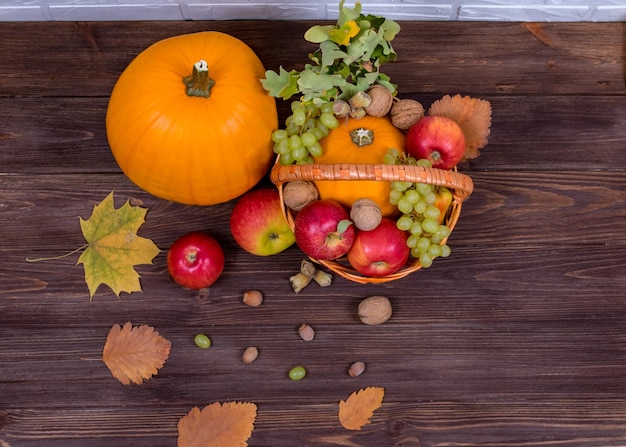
point(459, 184)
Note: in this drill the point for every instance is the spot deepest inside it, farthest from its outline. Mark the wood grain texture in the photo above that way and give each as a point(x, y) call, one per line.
point(519, 338)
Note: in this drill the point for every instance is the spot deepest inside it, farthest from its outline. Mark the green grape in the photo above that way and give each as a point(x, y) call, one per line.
point(329, 120)
point(294, 142)
point(431, 212)
point(422, 244)
point(415, 253)
point(404, 205)
point(443, 231)
point(423, 188)
point(430, 225)
point(445, 251)
point(295, 105)
point(426, 260)
point(434, 250)
point(412, 241)
point(424, 162)
point(405, 222)
point(306, 161)
point(300, 153)
point(286, 159)
point(292, 129)
point(202, 341)
point(317, 132)
point(279, 135)
point(394, 152)
point(326, 108)
point(389, 159)
point(430, 198)
point(420, 207)
point(282, 147)
point(299, 117)
point(416, 228)
point(308, 139)
point(316, 150)
point(323, 129)
point(297, 373)
point(412, 196)
point(394, 196)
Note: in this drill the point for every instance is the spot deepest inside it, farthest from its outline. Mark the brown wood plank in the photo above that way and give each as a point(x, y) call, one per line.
point(517, 339)
point(84, 59)
point(583, 133)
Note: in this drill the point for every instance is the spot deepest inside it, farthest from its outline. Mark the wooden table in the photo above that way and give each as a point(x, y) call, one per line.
point(519, 338)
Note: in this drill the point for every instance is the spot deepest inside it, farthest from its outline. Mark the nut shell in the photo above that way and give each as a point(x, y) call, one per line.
point(365, 214)
point(382, 100)
point(406, 112)
point(253, 298)
point(375, 310)
point(298, 194)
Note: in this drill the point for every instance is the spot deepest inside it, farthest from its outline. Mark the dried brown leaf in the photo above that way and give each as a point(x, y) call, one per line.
point(356, 411)
point(472, 114)
point(135, 354)
point(217, 425)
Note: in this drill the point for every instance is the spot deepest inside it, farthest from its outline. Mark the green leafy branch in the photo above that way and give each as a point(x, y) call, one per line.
point(348, 60)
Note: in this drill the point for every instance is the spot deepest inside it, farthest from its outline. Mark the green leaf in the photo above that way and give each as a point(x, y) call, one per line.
point(318, 33)
point(114, 247)
point(346, 14)
point(283, 85)
point(330, 53)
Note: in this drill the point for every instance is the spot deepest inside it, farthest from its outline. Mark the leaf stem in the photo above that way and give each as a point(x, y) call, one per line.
point(52, 258)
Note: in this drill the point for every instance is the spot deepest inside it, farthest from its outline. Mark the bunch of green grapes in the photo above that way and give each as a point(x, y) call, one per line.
point(420, 216)
point(308, 123)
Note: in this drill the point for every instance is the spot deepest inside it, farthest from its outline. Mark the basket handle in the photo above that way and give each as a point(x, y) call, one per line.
point(461, 184)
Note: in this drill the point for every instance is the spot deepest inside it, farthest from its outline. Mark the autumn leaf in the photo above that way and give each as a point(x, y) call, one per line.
point(217, 425)
point(135, 354)
point(356, 411)
point(472, 114)
point(113, 247)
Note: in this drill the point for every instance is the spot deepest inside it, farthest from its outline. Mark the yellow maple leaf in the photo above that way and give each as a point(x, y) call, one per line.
point(217, 425)
point(135, 354)
point(356, 411)
point(472, 114)
point(114, 247)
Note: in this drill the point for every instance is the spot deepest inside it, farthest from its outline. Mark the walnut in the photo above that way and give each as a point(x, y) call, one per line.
point(365, 214)
point(406, 112)
point(374, 310)
point(382, 99)
point(298, 194)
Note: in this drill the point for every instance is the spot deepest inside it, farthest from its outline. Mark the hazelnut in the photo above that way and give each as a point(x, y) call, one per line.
point(298, 194)
point(252, 298)
point(306, 332)
point(299, 281)
point(382, 100)
point(360, 100)
point(356, 369)
point(324, 279)
point(406, 112)
point(250, 354)
point(341, 108)
point(365, 214)
point(374, 310)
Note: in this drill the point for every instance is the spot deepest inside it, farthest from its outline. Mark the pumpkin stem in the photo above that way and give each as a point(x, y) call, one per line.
point(199, 83)
point(362, 137)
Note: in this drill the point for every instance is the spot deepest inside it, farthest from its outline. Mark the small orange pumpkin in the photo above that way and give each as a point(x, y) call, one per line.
point(364, 140)
point(189, 121)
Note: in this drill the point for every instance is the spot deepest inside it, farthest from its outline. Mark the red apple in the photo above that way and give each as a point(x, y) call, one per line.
point(323, 230)
point(438, 139)
point(195, 260)
point(258, 224)
point(381, 251)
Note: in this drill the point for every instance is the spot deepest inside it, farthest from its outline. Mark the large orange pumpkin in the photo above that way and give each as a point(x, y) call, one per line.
point(189, 121)
point(364, 140)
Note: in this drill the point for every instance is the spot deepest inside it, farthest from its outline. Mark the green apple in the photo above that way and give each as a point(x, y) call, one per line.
point(258, 224)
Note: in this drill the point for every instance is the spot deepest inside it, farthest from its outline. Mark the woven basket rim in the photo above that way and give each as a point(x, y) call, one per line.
point(460, 185)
